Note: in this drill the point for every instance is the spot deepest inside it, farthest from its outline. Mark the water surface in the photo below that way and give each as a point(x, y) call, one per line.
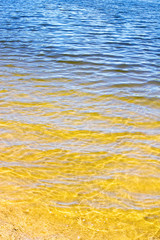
point(79, 119)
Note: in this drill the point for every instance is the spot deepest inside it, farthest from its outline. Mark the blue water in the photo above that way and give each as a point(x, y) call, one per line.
point(111, 41)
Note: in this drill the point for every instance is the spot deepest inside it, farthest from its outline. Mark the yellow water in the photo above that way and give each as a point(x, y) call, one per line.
point(76, 164)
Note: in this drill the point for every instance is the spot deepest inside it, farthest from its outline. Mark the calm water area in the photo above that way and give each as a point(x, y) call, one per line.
point(80, 119)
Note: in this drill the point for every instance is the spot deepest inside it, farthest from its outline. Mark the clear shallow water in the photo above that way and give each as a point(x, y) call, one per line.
point(79, 119)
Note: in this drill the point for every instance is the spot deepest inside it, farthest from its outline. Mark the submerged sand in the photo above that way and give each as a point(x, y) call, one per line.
point(22, 222)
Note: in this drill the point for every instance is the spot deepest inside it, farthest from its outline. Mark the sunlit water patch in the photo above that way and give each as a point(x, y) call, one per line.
point(79, 119)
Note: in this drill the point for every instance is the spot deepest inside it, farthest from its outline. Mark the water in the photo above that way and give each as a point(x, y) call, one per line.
point(79, 119)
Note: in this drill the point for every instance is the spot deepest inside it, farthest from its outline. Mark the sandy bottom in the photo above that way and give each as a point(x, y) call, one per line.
point(22, 222)
point(18, 223)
